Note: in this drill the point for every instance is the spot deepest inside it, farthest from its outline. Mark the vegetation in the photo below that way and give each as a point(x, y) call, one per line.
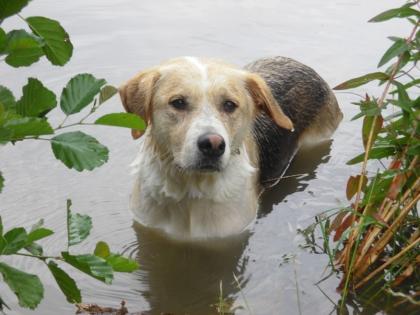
point(375, 240)
point(27, 119)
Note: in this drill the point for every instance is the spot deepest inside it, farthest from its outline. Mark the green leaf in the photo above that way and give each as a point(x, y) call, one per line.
point(106, 93)
point(118, 262)
point(79, 92)
point(79, 151)
point(9, 8)
point(121, 264)
point(27, 126)
point(404, 101)
point(1, 182)
point(414, 149)
point(66, 283)
point(90, 264)
point(368, 125)
point(23, 49)
point(27, 287)
point(38, 234)
point(78, 226)
point(374, 153)
point(6, 98)
point(34, 249)
point(3, 40)
point(126, 120)
point(57, 46)
point(16, 239)
point(362, 80)
point(394, 13)
point(397, 48)
point(102, 249)
point(36, 99)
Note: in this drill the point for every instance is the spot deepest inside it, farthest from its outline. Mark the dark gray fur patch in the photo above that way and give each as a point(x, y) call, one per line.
point(301, 93)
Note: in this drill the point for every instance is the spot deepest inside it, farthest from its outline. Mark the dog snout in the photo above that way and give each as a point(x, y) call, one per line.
point(211, 145)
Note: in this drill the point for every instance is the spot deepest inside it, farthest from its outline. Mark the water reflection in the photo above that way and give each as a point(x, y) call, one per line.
point(184, 278)
point(301, 171)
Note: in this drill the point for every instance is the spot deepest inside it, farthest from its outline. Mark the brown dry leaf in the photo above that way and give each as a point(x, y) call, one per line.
point(343, 226)
point(395, 187)
point(337, 221)
point(353, 184)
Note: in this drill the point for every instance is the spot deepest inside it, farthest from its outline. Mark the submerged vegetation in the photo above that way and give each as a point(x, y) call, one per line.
point(375, 240)
point(27, 119)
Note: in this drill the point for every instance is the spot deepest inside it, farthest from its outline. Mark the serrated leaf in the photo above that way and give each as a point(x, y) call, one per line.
point(6, 98)
point(102, 249)
point(92, 265)
point(57, 46)
point(23, 49)
point(362, 80)
point(126, 120)
point(396, 49)
point(16, 239)
point(80, 92)
point(65, 283)
point(106, 93)
point(9, 8)
point(27, 287)
point(368, 124)
point(38, 234)
point(27, 126)
point(374, 153)
point(36, 100)
point(394, 13)
point(79, 151)
point(78, 226)
point(121, 264)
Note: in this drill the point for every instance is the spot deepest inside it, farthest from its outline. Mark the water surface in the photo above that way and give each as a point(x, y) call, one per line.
point(116, 39)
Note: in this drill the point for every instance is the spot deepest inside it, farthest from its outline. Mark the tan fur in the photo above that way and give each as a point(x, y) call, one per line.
point(265, 101)
point(149, 92)
point(173, 192)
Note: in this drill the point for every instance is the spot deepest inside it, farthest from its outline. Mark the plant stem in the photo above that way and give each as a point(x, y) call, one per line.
point(369, 146)
point(39, 257)
point(390, 261)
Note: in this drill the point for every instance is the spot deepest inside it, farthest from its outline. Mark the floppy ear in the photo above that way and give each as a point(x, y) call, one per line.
point(265, 101)
point(136, 96)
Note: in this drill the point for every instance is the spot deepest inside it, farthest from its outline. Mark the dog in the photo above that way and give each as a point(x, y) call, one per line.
point(217, 135)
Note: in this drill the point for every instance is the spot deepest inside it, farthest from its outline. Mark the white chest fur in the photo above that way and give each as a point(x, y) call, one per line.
point(193, 205)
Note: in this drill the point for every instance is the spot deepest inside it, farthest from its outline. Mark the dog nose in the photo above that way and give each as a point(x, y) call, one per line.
point(211, 144)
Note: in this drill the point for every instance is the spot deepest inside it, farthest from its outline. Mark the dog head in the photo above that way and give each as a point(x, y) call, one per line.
point(199, 111)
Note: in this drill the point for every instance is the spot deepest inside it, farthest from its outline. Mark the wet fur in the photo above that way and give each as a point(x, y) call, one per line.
point(306, 99)
point(276, 95)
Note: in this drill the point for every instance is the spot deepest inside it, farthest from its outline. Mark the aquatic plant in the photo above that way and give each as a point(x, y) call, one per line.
point(375, 240)
point(27, 119)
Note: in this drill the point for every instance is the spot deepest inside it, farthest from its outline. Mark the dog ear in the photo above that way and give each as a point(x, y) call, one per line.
point(136, 96)
point(264, 100)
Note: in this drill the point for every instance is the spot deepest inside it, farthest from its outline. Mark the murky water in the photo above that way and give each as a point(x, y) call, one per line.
point(114, 40)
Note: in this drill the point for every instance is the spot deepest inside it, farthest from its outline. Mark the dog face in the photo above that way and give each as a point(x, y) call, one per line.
point(199, 111)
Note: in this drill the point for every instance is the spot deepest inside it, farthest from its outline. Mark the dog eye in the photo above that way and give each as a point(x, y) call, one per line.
point(229, 106)
point(179, 103)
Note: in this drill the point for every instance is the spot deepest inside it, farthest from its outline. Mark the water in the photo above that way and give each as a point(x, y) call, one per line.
point(114, 40)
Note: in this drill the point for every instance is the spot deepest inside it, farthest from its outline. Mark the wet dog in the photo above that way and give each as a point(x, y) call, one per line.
point(217, 135)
